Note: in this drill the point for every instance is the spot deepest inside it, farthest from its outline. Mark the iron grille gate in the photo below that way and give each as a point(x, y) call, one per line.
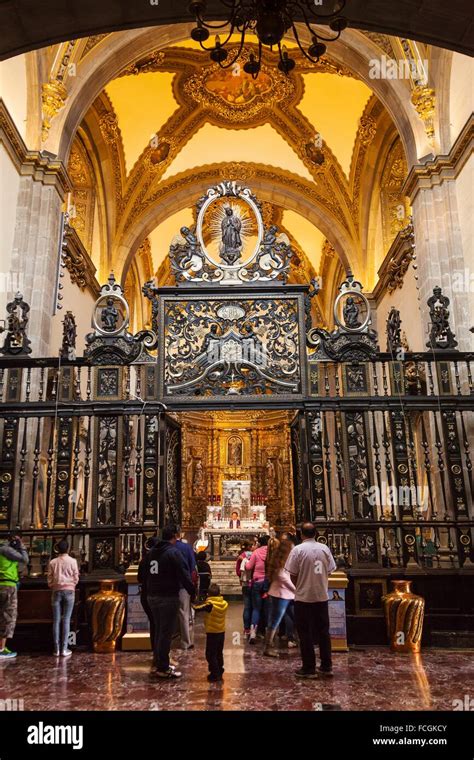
point(80, 457)
point(381, 441)
point(386, 477)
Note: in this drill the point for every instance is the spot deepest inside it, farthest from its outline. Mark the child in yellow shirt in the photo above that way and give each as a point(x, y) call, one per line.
point(215, 608)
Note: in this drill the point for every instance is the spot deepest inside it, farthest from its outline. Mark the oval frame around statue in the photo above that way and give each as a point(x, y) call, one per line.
point(347, 294)
point(126, 316)
point(245, 195)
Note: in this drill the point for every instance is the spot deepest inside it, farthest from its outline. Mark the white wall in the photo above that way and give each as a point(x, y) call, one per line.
point(80, 302)
point(461, 102)
point(13, 90)
point(465, 203)
point(9, 185)
point(404, 299)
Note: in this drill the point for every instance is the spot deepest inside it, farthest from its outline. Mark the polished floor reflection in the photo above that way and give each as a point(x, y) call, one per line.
point(370, 679)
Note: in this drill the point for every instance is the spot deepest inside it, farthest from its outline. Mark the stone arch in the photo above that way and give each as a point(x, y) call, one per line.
point(355, 53)
point(21, 30)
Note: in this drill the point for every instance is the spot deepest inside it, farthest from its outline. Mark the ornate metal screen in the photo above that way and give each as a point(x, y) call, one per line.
point(381, 440)
point(237, 345)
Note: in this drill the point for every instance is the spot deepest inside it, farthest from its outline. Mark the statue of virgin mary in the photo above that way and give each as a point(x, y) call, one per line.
point(231, 240)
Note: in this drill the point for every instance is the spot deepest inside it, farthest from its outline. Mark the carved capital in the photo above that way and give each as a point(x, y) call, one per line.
point(53, 96)
point(395, 265)
point(77, 261)
point(423, 98)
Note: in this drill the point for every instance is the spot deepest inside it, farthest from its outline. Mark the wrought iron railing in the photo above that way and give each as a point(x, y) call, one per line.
point(382, 458)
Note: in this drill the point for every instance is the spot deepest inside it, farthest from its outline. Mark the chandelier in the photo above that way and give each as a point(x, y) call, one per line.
point(270, 21)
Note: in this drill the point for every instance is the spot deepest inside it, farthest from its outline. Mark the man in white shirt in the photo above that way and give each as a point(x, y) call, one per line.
point(310, 565)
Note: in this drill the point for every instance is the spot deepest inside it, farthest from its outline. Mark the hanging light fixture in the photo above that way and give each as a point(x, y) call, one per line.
point(269, 20)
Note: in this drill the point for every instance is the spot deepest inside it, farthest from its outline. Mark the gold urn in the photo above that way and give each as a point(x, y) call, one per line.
point(106, 610)
point(404, 614)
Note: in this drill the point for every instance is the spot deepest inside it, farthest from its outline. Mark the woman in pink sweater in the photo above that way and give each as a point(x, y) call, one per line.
point(281, 593)
point(63, 576)
point(256, 565)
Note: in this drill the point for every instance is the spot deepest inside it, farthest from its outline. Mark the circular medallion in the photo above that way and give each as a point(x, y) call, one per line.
point(465, 540)
point(150, 472)
point(322, 540)
point(455, 469)
point(6, 477)
point(409, 540)
point(317, 469)
point(402, 468)
point(62, 475)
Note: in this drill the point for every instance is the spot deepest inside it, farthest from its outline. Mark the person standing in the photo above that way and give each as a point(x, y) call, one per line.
point(166, 573)
point(256, 565)
point(12, 553)
point(281, 593)
point(184, 618)
point(63, 577)
point(245, 577)
point(310, 565)
point(215, 608)
point(142, 579)
point(205, 574)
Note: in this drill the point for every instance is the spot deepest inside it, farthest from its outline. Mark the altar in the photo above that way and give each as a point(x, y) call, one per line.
point(236, 519)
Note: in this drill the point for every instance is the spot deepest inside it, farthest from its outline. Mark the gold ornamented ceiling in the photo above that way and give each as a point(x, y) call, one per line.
point(165, 144)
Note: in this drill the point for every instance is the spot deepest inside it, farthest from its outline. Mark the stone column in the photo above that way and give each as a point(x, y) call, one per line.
point(441, 248)
point(42, 191)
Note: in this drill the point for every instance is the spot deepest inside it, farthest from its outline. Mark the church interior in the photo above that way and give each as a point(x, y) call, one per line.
point(239, 303)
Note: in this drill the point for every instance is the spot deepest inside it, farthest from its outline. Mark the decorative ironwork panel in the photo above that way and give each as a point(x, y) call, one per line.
point(316, 465)
point(150, 383)
point(63, 470)
point(397, 378)
point(107, 446)
point(172, 479)
point(358, 463)
point(298, 464)
point(13, 385)
point(232, 346)
point(314, 369)
point(66, 384)
point(103, 554)
point(443, 370)
point(108, 383)
point(402, 476)
point(454, 462)
point(355, 379)
point(151, 471)
point(366, 548)
point(7, 468)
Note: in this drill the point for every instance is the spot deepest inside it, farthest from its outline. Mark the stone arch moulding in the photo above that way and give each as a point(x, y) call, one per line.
point(267, 182)
point(24, 28)
point(98, 69)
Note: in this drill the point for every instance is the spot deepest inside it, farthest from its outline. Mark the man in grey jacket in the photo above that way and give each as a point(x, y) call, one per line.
point(12, 553)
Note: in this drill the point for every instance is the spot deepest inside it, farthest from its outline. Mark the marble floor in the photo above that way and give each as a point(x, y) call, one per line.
point(365, 679)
